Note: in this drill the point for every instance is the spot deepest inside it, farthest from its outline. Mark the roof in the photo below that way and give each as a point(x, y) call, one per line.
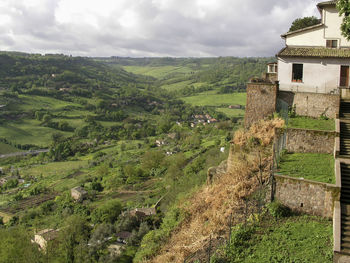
point(48, 234)
point(322, 4)
point(79, 189)
point(302, 30)
point(123, 234)
point(314, 52)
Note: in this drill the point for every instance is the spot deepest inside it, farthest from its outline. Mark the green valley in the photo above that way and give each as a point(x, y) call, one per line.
point(129, 133)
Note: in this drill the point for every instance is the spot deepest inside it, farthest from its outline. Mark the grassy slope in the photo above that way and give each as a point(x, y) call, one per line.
point(28, 131)
point(311, 166)
point(295, 239)
point(5, 149)
point(310, 123)
point(212, 99)
point(158, 72)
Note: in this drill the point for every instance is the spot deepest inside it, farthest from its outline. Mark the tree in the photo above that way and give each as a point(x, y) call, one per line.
point(301, 23)
point(107, 213)
point(73, 240)
point(15, 246)
point(152, 159)
point(343, 7)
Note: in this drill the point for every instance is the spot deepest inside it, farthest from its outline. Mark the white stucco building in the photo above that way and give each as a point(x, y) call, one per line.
point(317, 58)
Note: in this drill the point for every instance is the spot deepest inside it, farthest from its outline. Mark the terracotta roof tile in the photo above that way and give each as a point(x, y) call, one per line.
point(315, 52)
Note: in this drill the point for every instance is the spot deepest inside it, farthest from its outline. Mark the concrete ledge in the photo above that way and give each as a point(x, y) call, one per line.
point(336, 147)
point(305, 180)
point(337, 125)
point(337, 173)
point(336, 227)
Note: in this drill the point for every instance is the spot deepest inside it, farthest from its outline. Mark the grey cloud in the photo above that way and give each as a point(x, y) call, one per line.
point(232, 28)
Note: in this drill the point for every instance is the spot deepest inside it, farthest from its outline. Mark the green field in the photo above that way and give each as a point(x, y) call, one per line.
point(177, 85)
point(158, 72)
point(212, 99)
point(33, 102)
point(311, 166)
point(232, 112)
point(5, 148)
point(28, 131)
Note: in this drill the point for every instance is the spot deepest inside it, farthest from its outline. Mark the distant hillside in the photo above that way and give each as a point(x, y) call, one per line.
point(25, 71)
point(225, 73)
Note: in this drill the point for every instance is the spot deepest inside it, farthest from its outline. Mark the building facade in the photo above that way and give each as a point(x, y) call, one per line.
point(316, 59)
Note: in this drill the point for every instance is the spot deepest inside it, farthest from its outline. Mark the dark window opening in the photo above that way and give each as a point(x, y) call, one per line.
point(332, 43)
point(297, 75)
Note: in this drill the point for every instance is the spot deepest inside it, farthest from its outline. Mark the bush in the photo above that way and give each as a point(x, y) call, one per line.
point(107, 213)
point(154, 239)
point(278, 210)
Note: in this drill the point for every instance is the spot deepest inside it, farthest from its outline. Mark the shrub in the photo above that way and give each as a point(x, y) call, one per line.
point(107, 213)
point(278, 210)
point(154, 239)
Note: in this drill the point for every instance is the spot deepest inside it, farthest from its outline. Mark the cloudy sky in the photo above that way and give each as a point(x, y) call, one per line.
point(141, 28)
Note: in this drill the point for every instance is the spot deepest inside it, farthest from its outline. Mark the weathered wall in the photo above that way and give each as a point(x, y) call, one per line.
point(320, 75)
point(312, 104)
point(261, 102)
point(309, 141)
point(306, 196)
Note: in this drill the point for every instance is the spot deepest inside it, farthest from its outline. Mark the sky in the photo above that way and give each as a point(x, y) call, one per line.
point(149, 28)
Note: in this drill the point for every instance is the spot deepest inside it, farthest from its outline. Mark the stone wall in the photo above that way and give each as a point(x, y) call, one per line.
point(309, 141)
point(306, 196)
point(312, 104)
point(261, 102)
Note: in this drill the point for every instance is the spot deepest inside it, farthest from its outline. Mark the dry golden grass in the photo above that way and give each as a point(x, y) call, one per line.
point(210, 208)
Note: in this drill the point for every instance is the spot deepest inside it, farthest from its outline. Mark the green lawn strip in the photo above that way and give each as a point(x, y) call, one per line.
point(310, 123)
point(295, 239)
point(311, 166)
point(210, 99)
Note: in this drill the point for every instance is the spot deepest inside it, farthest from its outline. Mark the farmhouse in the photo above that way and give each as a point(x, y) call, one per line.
point(78, 193)
point(316, 58)
point(44, 236)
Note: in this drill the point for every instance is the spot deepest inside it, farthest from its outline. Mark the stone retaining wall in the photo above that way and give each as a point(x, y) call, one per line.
point(312, 104)
point(309, 141)
point(306, 196)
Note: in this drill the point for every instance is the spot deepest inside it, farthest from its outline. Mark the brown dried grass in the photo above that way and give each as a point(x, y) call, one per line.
point(210, 208)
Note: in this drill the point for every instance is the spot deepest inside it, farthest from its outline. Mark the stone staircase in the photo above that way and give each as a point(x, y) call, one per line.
point(344, 114)
point(345, 208)
point(345, 138)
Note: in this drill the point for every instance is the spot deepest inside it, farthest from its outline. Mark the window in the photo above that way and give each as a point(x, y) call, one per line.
point(297, 75)
point(332, 43)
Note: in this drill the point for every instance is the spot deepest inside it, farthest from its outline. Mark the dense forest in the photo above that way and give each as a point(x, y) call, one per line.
point(125, 133)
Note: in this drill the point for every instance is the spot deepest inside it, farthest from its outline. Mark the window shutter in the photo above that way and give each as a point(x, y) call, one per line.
point(329, 43)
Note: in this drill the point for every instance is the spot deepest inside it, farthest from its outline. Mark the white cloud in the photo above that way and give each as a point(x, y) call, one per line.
point(149, 27)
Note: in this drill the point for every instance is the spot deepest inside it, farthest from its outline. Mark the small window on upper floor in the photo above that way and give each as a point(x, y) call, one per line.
point(297, 74)
point(331, 43)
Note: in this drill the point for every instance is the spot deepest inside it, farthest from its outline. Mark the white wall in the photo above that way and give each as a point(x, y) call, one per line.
point(319, 75)
point(319, 35)
point(332, 29)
